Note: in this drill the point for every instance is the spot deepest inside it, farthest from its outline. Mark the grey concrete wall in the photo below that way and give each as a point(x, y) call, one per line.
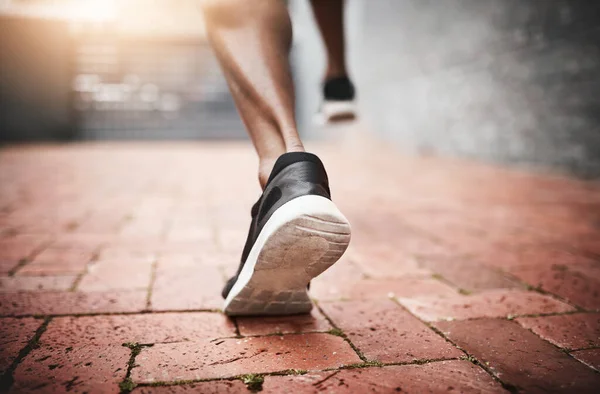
point(511, 81)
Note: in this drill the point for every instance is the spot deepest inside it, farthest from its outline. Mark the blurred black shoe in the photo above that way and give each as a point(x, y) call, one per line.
point(338, 101)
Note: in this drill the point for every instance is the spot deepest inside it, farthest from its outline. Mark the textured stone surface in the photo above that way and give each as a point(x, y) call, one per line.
point(16, 334)
point(590, 357)
point(148, 287)
point(379, 289)
point(264, 325)
point(231, 357)
point(469, 276)
point(14, 250)
point(72, 369)
point(116, 275)
point(58, 261)
point(62, 303)
point(520, 358)
point(574, 331)
point(460, 376)
point(145, 329)
point(385, 332)
point(214, 387)
point(566, 282)
point(36, 283)
point(496, 303)
point(186, 285)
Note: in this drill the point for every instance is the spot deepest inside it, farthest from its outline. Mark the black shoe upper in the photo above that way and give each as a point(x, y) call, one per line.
point(338, 89)
point(294, 175)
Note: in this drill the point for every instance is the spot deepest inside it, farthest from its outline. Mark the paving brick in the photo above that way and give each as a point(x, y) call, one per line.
point(450, 376)
point(264, 325)
point(590, 269)
point(212, 387)
point(229, 237)
point(228, 261)
point(190, 229)
point(143, 328)
point(363, 289)
point(58, 261)
point(15, 249)
point(231, 357)
point(542, 256)
point(122, 201)
point(564, 281)
point(338, 275)
point(184, 285)
point(62, 303)
point(383, 331)
point(587, 244)
point(100, 224)
point(126, 255)
point(590, 357)
point(97, 369)
point(91, 242)
point(519, 357)
point(36, 283)
point(152, 228)
point(572, 331)
point(492, 303)
point(395, 260)
point(468, 275)
point(106, 275)
point(16, 333)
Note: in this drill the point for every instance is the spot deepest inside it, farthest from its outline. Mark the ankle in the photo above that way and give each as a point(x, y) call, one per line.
point(335, 72)
point(295, 146)
point(265, 167)
point(266, 164)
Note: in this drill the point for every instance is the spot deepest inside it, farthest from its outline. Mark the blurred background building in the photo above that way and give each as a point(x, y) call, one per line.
point(107, 69)
point(511, 81)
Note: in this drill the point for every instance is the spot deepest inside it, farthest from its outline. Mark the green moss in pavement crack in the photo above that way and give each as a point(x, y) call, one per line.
point(127, 385)
point(131, 345)
point(292, 372)
point(253, 382)
point(337, 332)
point(470, 358)
point(372, 364)
point(364, 364)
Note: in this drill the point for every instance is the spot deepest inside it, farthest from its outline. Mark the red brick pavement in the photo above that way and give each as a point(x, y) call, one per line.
point(461, 276)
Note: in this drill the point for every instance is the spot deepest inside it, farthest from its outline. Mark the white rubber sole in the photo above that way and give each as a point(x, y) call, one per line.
point(302, 238)
point(336, 111)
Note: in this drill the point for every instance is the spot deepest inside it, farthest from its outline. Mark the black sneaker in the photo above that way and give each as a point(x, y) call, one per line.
point(338, 101)
point(296, 233)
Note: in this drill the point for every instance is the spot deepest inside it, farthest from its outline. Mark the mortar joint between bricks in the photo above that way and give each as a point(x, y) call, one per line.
point(153, 270)
point(95, 256)
point(540, 290)
point(340, 333)
point(7, 379)
point(507, 386)
point(475, 361)
point(295, 372)
point(27, 259)
point(236, 325)
point(127, 384)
